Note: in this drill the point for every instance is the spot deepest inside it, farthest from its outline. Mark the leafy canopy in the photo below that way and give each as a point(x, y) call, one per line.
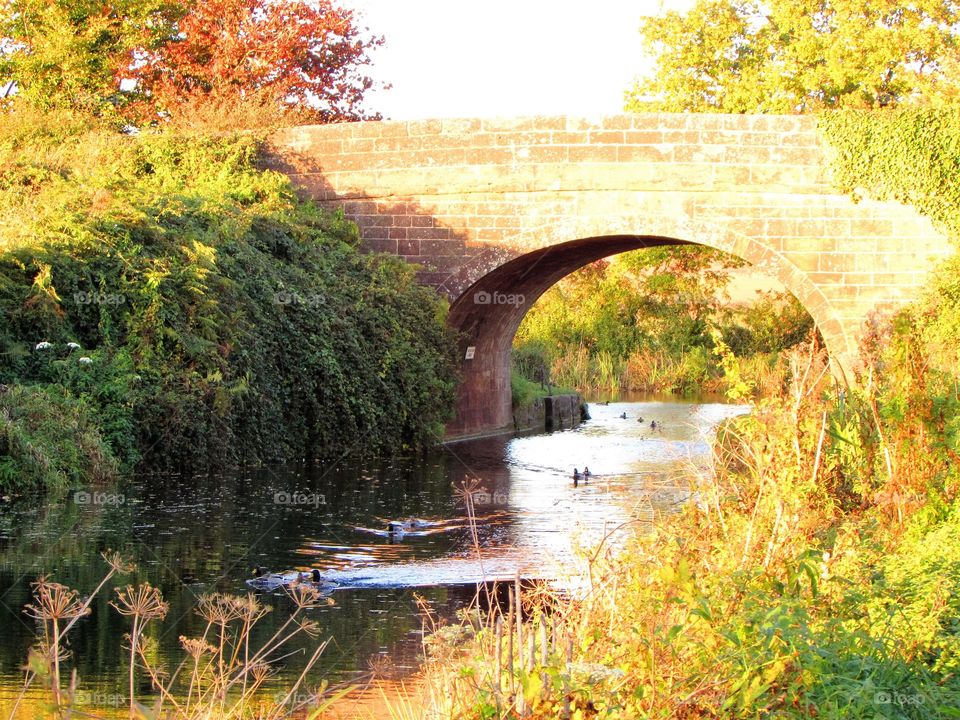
point(64, 53)
point(283, 52)
point(785, 56)
point(182, 54)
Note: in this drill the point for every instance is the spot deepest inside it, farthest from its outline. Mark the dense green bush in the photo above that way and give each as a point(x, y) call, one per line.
point(49, 438)
point(911, 155)
point(223, 319)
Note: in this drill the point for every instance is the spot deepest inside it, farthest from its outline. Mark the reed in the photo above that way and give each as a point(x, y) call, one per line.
point(805, 578)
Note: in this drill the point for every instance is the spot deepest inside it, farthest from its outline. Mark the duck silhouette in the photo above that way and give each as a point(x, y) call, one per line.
point(406, 525)
point(266, 581)
point(623, 416)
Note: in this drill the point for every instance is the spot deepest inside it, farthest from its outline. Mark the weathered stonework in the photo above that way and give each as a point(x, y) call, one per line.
point(496, 211)
point(553, 412)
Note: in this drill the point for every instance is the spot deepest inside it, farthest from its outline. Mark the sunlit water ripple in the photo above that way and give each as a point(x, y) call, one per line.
point(196, 535)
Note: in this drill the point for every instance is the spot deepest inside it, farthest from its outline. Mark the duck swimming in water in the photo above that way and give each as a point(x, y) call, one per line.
point(623, 416)
point(403, 526)
point(586, 473)
point(266, 581)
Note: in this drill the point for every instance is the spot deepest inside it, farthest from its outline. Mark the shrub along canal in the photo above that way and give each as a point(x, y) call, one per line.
point(195, 535)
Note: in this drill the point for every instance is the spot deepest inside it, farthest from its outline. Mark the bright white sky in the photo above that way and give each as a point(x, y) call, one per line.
point(489, 58)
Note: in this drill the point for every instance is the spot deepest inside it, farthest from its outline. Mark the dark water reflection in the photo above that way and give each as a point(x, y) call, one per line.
point(197, 535)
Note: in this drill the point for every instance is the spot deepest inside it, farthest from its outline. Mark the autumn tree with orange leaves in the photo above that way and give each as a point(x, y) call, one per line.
point(155, 60)
point(283, 53)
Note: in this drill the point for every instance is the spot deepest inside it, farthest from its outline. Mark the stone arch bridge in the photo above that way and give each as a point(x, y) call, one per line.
point(497, 211)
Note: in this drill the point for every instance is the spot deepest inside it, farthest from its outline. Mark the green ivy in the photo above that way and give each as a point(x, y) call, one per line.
point(221, 318)
point(911, 155)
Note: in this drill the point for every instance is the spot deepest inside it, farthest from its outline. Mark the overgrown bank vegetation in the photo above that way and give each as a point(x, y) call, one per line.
point(817, 570)
point(657, 320)
point(165, 301)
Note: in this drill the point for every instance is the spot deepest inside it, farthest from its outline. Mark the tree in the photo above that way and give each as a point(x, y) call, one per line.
point(282, 53)
point(186, 56)
point(785, 56)
point(63, 53)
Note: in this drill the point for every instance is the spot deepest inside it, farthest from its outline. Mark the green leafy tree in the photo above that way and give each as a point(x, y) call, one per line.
point(679, 289)
point(65, 53)
point(659, 299)
point(187, 57)
point(786, 56)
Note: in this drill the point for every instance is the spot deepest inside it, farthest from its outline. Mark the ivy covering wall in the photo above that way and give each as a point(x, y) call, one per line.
point(911, 155)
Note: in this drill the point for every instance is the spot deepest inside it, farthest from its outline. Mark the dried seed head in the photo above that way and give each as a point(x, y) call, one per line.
point(260, 672)
point(466, 489)
point(304, 595)
point(251, 610)
point(220, 609)
point(310, 627)
point(196, 647)
point(143, 601)
point(119, 564)
point(54, 601)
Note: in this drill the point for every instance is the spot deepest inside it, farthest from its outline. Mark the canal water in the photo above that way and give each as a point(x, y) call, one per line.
point(195, 535)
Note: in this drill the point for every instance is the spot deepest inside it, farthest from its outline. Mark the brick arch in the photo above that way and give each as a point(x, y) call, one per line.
point(488, 313)
point(463, 199)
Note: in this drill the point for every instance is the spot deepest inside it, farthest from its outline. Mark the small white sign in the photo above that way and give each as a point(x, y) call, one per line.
point(471, 351)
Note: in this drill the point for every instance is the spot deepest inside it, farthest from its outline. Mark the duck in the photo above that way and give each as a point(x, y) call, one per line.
point(653, 424)
point(576, 474)
point(586, 473)
point(266, 581)
point(623, 416)
point(639, 419)
point(406, 525)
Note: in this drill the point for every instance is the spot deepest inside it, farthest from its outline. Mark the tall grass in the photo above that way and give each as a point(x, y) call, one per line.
point(813, 574)
point(659, 371)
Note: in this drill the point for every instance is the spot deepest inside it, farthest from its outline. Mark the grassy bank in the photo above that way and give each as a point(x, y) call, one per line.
point(816, 571)
point(814, 575)
point(182, 307)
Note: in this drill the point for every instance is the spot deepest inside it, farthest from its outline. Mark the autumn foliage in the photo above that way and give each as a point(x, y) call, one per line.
point(154, 60)
point(285, 53)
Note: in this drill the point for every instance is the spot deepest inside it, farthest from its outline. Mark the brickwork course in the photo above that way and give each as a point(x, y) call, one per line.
point(494, 212)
